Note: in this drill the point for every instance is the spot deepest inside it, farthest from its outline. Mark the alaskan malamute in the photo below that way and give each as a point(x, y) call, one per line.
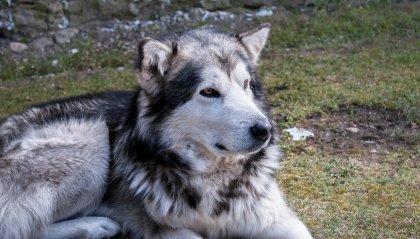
point(191, 154)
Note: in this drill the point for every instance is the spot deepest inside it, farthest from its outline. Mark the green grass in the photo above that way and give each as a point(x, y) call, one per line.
point(386, 75)
point(345, 26)
point(17, 95)
point(88, 57)
point(367, 55)
point(347, 197)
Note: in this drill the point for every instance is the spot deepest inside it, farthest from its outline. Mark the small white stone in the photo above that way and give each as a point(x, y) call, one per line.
point(298, 133)
point(353, 129)
point(369, 142)
point(54, 62)
point(74, 51)
point(120, 68)
point(18, 47)
point(264, 12)
point(373, 151)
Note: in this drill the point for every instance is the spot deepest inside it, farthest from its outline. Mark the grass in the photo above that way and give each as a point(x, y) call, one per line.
point(367, 55)
point(384, 75)
point(88, 57)
point(341, 197)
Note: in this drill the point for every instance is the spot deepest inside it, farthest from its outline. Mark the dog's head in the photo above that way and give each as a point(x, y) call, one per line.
point(202, 89)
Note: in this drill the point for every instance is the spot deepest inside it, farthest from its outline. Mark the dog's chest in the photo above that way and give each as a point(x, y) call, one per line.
point(225, 202)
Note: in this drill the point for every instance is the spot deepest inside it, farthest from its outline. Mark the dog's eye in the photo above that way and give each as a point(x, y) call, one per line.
point(209, 92)
point(246, 83)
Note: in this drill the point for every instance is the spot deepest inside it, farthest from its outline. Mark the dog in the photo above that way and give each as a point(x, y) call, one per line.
point(192, 153)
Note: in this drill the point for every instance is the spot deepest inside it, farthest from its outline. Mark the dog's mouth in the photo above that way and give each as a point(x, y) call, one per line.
point(221, 147)
point(250, 150)
point(257, 147)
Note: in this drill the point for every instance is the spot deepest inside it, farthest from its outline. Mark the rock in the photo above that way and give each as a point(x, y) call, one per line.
point(54, 62)
point(65, 36)
point(264, 12)
point(34, 16)
point(254, 4)
point(6, 17)
point(353, 129)
point(113, 8)
point(41, 43)
point(63, 22)
point(368, 142)
point(133, 8)
point(18, 47)
point(29, 22)
point(29, 18)
point(214, 5)
point(298, 133)
point(78, 12)
point(74, 51)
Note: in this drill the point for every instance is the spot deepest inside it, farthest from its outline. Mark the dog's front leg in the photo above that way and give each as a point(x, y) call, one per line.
point(83, 228)
point(176, 234)
point(290, 228)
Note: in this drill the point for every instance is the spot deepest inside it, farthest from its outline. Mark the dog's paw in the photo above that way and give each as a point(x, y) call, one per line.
point(99, 227)
point(83, 228)
point(177, 234)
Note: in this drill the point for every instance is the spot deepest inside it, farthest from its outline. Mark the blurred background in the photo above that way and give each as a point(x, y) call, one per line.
point(345, 71)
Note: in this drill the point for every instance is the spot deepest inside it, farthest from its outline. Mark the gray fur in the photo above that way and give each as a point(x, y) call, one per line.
point(166, 161)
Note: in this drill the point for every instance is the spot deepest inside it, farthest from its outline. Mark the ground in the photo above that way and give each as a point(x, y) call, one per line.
point(348, 73)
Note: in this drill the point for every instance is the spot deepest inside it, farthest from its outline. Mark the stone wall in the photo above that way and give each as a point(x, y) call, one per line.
point(28, 18)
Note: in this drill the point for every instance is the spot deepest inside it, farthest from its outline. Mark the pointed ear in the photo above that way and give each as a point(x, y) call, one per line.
point(153, 63)
point(254, 40)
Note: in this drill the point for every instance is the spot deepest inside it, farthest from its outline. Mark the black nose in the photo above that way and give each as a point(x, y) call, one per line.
point(261, 131)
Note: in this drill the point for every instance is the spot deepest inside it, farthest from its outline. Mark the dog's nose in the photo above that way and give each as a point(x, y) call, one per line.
point(261, 131)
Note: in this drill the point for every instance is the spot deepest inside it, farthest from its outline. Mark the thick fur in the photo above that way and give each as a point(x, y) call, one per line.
point(191, 154)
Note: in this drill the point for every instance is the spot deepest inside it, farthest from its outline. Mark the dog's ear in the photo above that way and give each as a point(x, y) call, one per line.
point(254, 40)
point(153, 63)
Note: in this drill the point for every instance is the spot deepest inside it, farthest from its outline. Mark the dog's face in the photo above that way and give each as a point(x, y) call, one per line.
point(203, 90)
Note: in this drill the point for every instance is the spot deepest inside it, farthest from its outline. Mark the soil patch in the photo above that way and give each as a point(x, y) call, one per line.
point(370, 131)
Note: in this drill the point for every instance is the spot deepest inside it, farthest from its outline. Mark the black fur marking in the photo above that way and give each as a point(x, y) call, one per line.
point(240, 187)
point(174, 49)
point(152, 154)
point(111, 106)
point(223, 206)
point(226, 63)
point(192, 197)
point(251, 167)
point(234, 189)
point(175, 93)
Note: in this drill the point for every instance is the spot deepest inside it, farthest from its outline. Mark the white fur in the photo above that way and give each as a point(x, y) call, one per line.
point(57, 172)
point(226, 121)
point(270, 218)
point(155, 54)
point(255, 40)
point(29, 186)
point(84, 227)
point(238, 111)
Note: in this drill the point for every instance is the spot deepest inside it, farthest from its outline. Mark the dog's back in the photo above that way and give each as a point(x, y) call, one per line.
point(54, 161)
